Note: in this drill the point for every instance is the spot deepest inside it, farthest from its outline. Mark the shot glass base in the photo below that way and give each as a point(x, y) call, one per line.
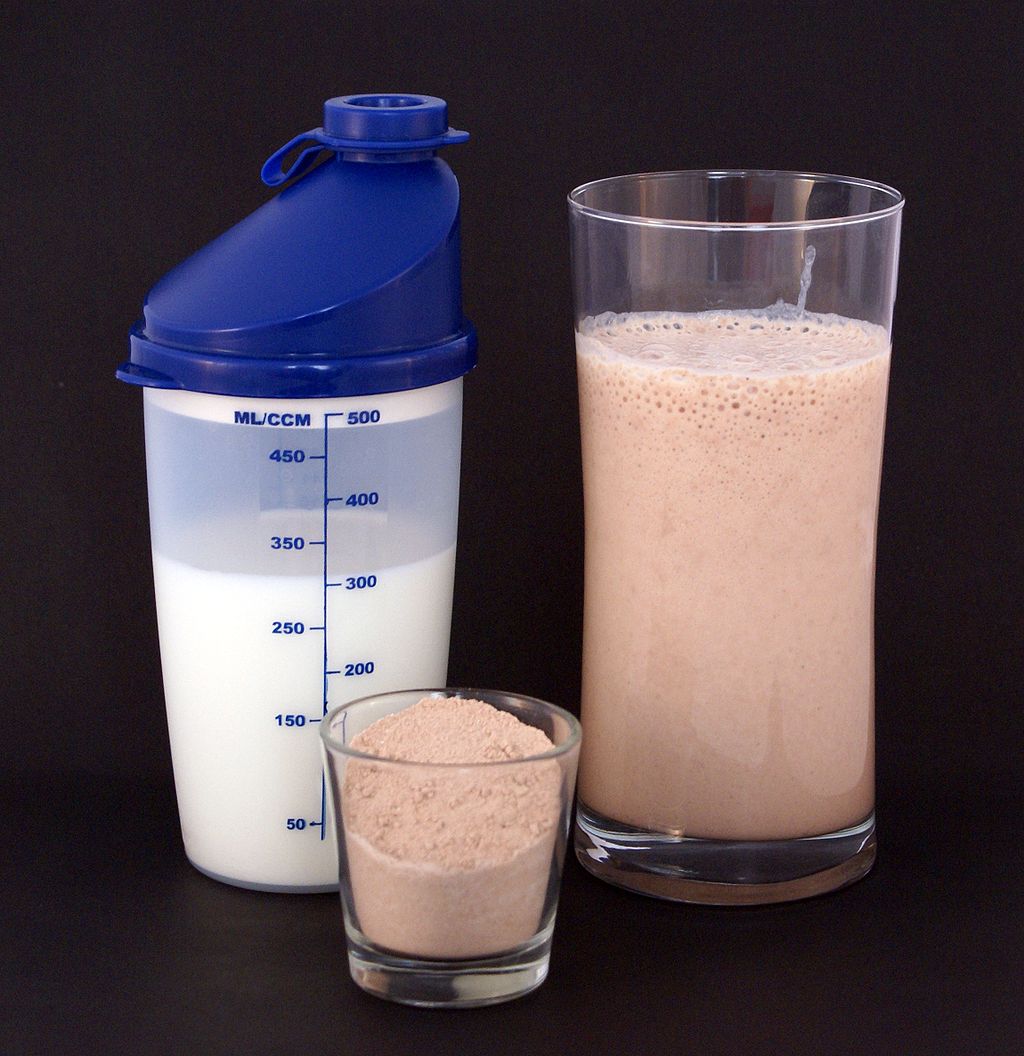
point(722, 872)
point(469, 983)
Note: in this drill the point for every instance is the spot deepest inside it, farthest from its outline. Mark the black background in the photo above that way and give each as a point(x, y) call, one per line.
point(135, 133)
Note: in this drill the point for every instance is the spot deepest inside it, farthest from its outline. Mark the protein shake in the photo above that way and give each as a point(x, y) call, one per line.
point(731, 466)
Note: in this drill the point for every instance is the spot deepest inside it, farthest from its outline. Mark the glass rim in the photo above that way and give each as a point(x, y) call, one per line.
point(332, 743)
point(893, 208)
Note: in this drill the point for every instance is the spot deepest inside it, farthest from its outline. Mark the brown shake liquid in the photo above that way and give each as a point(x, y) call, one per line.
point(731, 467)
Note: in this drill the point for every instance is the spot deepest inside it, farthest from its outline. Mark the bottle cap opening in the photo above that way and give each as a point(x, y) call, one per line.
point(381, 126)
point(396, 119)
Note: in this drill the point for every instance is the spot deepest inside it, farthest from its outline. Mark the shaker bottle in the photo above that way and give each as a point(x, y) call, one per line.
point(302, 380)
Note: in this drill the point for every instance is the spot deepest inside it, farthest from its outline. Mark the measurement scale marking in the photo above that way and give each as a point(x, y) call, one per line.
point(328, 499)
point(323, 815)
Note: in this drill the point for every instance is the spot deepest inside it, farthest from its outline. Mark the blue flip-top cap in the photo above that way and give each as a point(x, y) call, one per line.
point(346, 283)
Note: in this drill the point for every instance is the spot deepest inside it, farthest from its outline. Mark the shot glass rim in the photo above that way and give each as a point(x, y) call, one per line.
point(332, 743)
point(895, 206)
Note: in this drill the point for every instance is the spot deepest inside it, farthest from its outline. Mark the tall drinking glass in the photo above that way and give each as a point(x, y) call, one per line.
point(733, 339)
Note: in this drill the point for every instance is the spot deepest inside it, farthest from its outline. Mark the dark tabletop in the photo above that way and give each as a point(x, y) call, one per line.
point(118, 945)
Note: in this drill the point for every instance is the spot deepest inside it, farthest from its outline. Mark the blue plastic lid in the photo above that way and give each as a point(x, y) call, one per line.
point(346, 283)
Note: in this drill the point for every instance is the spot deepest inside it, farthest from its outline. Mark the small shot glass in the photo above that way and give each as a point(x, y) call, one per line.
point(449, 872)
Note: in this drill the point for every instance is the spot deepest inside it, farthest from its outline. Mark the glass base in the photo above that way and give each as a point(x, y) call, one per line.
point(722, 872)
point(467, 983)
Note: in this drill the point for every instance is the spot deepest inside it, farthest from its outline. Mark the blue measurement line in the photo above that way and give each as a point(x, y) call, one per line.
point(317, 542)
point(323, 815)
point(327, 500)
point(316, 628)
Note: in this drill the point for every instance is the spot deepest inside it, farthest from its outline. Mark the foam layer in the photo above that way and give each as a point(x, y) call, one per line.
point(762, 343)
point(752, 381)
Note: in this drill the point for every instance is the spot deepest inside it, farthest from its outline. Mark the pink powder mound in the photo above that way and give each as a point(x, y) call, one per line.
point(450, 862)
point(451, 730)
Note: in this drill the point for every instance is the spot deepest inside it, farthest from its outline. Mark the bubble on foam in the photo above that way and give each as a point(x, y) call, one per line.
point(653, 352)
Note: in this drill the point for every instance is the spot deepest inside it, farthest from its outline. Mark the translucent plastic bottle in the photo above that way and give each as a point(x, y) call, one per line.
point(303, 401)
